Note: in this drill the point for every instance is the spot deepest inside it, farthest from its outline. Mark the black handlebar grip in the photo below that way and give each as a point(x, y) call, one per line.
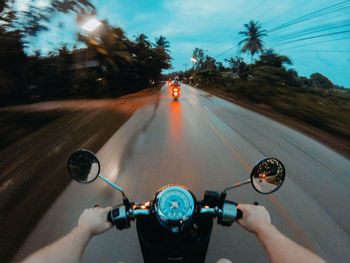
point(239, 214)
point(109, 217)
point(113, 215)
point(256, 203)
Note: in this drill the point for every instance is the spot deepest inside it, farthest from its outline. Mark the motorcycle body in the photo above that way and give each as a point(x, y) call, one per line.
point(175, 226)
point(161, 245)
point(175, 91)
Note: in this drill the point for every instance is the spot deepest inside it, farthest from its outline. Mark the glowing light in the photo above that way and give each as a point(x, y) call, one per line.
point(91, 25)
point(194, 60)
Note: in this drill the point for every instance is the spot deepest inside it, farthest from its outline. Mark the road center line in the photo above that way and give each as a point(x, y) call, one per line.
point(228, 145)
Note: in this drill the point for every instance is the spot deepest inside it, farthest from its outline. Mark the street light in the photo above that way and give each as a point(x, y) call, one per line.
point(193, 60)
point(91, 25)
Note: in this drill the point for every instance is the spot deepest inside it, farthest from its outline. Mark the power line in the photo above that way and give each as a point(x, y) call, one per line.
point(290, 9)
point(315, 14)
point(281, 40)
point(309, 31)
point(321, 51)
point(312, 37)
point(224, 52)
point(317, 43)
point(269, 9)
point(307, 15)
point(218, 43)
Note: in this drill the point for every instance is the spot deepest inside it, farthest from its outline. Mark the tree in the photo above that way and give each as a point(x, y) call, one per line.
point(12, 67)
point(35, 19)
point(141, 39)
point(220, 66)
point(321, 81)
point(110, 65)
point(209, 63)
point(162, 42)
point(3, 4)
point(237, 64)
point(270, 58)
point(199, 55)
point(252, 42)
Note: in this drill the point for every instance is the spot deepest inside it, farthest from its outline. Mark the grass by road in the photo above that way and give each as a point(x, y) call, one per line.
point(330, 126)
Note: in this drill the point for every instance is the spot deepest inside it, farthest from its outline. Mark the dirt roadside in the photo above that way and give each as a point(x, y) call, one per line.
point(340, 145)
point(33, 161)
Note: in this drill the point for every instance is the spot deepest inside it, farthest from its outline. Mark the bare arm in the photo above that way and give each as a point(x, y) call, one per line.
point(70, 248)
point(279, 248)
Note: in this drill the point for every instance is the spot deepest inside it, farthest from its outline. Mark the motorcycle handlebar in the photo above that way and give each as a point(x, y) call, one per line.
point(216, 211)
point(121, 218)
point(239, 214)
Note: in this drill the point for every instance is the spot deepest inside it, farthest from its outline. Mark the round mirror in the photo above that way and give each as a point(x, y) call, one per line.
point(267, 175)
point(83, 166)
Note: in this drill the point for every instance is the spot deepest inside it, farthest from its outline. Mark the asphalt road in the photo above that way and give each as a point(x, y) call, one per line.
point(204, 142)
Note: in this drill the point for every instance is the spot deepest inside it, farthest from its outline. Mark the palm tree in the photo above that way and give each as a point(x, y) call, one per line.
point(142, 39)
point(270, 58)
point(162, 42)
point(253, 42)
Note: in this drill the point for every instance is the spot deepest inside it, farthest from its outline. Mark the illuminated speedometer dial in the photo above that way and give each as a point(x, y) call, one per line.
point(174, 205)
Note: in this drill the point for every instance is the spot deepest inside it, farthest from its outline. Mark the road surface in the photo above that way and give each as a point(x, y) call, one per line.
point(204, 142)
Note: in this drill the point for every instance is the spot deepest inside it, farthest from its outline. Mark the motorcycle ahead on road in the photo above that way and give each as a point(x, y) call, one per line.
point(175, 91)
point(175, 226)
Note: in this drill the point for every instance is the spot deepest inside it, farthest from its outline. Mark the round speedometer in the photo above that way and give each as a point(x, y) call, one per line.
point(174, 207)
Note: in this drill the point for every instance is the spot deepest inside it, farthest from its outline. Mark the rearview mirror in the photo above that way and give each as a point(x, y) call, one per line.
point(83, 166)
point(267, 175)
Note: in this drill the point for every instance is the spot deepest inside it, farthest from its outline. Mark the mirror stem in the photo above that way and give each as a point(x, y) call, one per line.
point(112, 184)
point(237, 185)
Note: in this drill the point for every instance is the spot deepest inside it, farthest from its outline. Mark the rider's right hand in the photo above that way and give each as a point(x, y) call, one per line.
point(255, 218)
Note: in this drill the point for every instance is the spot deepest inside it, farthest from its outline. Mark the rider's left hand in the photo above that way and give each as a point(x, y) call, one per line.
point(94, 220)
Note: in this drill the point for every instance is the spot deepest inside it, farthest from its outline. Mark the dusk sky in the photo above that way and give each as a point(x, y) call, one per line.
point(214, 25)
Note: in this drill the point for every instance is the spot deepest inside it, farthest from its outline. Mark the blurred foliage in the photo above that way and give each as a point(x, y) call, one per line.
point(111, 65)
point(315, 100)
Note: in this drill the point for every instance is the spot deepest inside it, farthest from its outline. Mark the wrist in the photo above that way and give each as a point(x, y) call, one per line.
point(83, 231)
point(264, 232)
